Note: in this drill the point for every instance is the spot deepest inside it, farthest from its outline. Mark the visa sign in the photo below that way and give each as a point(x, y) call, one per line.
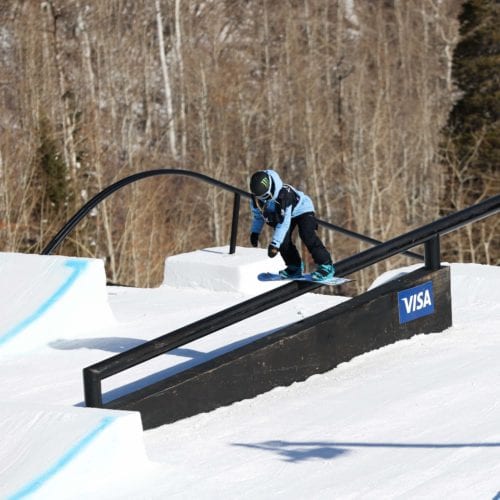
point(416, 302)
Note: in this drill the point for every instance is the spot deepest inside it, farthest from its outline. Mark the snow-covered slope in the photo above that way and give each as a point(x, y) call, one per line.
point(417, 419)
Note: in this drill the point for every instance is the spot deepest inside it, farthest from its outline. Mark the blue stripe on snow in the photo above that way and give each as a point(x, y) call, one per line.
point(63, 461)
point(77, 267)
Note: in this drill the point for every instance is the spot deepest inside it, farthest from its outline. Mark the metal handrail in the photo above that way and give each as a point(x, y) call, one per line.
point(238, 193)
point(99, 197)
point(428, 235)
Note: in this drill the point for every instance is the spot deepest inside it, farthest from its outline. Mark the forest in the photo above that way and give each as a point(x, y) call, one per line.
point(385, 112)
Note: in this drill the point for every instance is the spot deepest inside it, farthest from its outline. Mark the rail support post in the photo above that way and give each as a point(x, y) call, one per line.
point(92, 388)
point(234, 224)
point(432, 253)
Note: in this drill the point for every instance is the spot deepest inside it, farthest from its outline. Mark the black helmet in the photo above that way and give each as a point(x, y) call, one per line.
point(262, 185)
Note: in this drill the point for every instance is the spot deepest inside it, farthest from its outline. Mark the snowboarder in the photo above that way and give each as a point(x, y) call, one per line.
point(284, 208)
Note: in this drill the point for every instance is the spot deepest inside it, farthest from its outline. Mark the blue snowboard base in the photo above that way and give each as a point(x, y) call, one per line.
point(335, 281)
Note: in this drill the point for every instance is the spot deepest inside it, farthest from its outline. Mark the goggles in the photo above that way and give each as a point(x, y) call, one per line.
point(269, 193)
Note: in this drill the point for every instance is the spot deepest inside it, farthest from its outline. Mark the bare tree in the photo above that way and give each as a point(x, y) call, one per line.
point(345, 98)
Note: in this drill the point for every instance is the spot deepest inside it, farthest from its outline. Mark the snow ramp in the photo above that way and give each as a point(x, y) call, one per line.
point(45, 297)
point(47, 450)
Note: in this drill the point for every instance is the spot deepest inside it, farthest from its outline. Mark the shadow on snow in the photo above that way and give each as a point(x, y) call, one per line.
point(302, 451)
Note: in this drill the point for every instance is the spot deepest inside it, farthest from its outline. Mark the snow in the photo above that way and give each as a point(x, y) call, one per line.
point(42, 291)
point(216, 269)
point(43, 442)
point(416, 419)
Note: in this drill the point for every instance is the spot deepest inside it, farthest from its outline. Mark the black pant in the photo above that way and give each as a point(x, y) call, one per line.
point(307, 231)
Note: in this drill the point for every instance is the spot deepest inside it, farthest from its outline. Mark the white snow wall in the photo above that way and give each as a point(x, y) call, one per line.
point(45, 298)
point(217, 270)
point(46, 450)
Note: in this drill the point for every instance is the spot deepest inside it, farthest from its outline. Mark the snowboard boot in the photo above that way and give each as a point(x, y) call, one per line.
point(323, 272)
point(292, 272)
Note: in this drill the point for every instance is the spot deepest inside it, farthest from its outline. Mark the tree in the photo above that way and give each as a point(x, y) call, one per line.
point(345, 98)
point(473, 131)
point(474, 123)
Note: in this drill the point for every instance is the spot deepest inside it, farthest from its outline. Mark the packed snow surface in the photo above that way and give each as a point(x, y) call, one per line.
point(416, 419)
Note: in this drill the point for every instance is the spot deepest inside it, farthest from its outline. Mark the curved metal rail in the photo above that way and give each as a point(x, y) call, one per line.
point(238, 193)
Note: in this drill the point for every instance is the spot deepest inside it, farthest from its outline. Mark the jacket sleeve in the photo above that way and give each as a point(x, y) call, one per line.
point(282, 228)
point(257, 220)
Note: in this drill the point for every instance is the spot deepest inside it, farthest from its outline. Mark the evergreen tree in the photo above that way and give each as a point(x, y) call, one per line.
point(53, 169)
point(473, 132)
point(474, 124)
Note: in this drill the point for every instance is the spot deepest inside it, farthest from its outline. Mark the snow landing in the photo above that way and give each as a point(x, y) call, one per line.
point(416, 419)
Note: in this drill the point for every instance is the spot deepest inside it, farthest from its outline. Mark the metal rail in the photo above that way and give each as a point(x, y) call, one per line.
point(427, 235)
point(238, 193)
point(93, 375)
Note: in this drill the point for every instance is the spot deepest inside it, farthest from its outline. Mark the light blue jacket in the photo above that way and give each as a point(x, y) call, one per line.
point(274, 208)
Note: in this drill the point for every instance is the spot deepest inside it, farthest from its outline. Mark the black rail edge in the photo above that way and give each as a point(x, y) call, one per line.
point(428, 235)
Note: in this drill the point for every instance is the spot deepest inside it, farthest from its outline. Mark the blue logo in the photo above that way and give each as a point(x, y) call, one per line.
point(416, 302)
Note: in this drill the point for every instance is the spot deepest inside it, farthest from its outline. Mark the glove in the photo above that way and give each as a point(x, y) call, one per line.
point(272, 251)
point(254, 239)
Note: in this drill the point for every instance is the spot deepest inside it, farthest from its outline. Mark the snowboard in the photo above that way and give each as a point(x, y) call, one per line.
point(335, 281)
